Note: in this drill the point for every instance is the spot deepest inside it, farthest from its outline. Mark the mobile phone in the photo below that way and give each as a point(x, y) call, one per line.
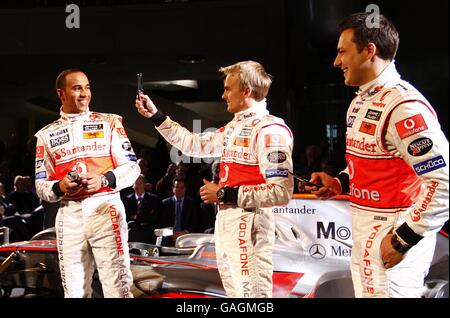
point(73, 176)
point(140, 84)
point(306, 181)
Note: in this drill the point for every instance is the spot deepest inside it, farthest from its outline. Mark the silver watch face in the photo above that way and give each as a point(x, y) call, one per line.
point(104, 181)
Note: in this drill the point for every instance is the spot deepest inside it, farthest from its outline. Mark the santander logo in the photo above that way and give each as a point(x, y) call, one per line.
point(416, 215)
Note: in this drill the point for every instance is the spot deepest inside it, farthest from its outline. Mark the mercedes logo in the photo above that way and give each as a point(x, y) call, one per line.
point(317, 251)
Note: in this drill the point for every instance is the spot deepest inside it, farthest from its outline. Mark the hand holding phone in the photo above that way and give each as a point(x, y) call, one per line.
point(140, 84)
point(306, 181)
point(73, 176)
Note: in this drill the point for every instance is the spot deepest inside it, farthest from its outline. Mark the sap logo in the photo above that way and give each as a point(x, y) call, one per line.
point(429, 165)
point(341, 232)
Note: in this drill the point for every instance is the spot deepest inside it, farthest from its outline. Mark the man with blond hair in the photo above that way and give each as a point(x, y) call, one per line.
point(255, 150)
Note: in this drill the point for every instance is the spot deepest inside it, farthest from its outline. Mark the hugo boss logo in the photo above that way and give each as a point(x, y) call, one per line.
point(420, 146)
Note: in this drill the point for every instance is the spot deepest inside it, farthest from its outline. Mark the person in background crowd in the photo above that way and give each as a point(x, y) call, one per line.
point(180, 212)
point(143, 211)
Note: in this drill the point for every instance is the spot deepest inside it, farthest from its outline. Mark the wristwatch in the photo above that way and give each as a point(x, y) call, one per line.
point(221, 195)
point(399, 245)
point(105, 181)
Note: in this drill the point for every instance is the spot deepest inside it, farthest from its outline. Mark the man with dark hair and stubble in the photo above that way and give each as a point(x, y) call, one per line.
point(397, 166)
point(84, 159)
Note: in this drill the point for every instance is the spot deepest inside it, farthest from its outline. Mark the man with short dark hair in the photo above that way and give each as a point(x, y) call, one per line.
point(180, 212)
point(84, 159)
point(397, 166)
point(143, 211)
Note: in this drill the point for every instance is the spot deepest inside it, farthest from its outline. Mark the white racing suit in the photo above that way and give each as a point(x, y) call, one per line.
point(89, 227)
point(256, 155)
point(397, 165)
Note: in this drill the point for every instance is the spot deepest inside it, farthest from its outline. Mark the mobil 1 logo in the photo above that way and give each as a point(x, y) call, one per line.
point(338, 234)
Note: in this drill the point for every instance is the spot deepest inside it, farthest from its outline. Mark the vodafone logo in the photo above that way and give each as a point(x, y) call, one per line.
point(351, 169)
point(411, 126)
point(409, 123)
point(40, 152)
point(80, 167)
point(275, 140)
point(224, 173)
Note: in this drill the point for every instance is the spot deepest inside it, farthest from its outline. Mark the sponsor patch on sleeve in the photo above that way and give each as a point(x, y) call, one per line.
point(132, 157)
point(276, 157)
point(41, 175)
point(272, 173)
point(420, 146)
point(40, 152)
point(127, 146)
point(121, 132)
point(39, 163)
point(429, 165)
point(411, 126)
point(275, 141)
point(350, 121)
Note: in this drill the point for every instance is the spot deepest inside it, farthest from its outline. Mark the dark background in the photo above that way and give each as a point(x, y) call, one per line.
point(294, 39)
